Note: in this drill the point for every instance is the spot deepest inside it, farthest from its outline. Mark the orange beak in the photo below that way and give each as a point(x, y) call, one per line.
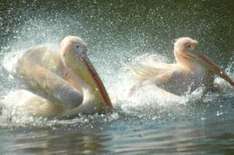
point(210, 66)
point(81, 65)
point(97, 80)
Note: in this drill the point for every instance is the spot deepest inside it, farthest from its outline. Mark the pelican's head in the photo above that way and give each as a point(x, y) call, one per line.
point(184, 49)
point(73, 45)
point(73, 52)
point(185, 54)
point(185, 44)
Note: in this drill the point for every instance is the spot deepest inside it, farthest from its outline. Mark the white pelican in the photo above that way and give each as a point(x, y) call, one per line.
point(190, 71)
point(63, 83)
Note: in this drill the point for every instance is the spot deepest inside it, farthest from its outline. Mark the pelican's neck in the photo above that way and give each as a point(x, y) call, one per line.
point(188, 62)
point(90, 82)
point(178, 54)
point(87, 87)
point(183, 59)
point(89, 93)
point(93, 99)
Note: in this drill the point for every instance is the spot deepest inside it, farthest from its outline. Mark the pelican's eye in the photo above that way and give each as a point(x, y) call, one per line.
point(80, 50)
point(189, 46)
point(77, 48)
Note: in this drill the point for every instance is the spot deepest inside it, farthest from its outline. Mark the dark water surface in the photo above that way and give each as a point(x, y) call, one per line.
point(117, 32)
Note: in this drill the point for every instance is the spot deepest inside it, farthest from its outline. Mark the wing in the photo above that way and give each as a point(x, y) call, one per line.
point(152, 73)
point(42, 56)
point(42, 80)
point(149, 78)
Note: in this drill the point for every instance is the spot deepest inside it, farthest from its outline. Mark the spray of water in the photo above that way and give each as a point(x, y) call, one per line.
point(146, 102)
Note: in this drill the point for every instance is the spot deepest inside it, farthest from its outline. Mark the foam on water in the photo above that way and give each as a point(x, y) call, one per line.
point(147, 101)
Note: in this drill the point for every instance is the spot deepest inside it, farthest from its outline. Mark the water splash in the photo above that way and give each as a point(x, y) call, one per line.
point(149, 101)
point(146, 103)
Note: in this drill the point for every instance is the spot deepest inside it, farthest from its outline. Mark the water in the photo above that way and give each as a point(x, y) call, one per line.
point(119, 33)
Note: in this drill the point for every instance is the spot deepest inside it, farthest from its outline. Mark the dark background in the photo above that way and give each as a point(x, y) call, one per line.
point(127, 24)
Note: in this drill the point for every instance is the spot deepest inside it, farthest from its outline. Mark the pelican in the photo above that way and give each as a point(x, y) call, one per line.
point(62, 83)
point(190, 71)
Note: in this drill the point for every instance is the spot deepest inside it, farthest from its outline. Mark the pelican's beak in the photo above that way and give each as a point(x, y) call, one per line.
point(83, 67)
point(210, 65)
point(99, 84)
